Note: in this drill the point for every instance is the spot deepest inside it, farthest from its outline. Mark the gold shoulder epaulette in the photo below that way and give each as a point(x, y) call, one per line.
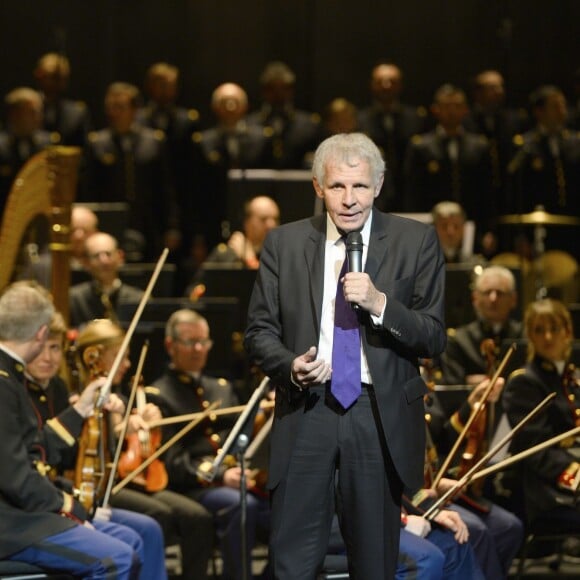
point(516, 373)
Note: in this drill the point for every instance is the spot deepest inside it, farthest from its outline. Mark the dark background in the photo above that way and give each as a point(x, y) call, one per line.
point(331, 44)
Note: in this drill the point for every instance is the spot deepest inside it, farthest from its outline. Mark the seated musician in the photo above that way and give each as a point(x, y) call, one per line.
point(101, 296)
point(549, 477)
point(449, 220)
point(184, 389)
point(495, 533)
point(182, 519)
point(39, 523)
point(430, 551)
point(261, 214)
point(494, 297)
point(50, 397)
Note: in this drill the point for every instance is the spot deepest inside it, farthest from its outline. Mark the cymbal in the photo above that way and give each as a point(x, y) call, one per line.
point(556, 267)
point(539, 217)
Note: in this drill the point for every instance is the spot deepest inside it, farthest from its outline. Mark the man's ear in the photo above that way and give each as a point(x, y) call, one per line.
point(379, 185)
point(317, 188)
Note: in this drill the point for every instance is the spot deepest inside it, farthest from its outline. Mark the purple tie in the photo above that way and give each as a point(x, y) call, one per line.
point(345, 383)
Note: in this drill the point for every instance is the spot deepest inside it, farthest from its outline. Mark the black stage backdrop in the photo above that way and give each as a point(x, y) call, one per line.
point(331, 44)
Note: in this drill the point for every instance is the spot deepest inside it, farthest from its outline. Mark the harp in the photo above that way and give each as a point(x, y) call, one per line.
point(45, 186)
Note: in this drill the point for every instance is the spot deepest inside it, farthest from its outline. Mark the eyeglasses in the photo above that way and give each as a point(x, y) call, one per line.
point(194, 342)
point(498, 293)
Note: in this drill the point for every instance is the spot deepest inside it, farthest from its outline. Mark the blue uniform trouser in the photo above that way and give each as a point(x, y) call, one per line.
point(224, 503)
point(88, 553)
point(496, 538)
point(436, 557)
point(152, 550)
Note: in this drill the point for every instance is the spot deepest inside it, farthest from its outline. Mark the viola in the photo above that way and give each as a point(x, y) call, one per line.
point(93, 458)
point(478, 436)
point(140, 446)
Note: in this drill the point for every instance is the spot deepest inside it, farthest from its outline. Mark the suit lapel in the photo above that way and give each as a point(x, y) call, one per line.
point(314, 255)
point(377, 244)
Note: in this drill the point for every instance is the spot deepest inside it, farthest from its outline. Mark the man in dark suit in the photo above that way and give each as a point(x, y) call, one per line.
point(374, 442)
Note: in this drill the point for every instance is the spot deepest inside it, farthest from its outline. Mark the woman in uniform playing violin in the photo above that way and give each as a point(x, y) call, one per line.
point(183, 520)
point(549, 478)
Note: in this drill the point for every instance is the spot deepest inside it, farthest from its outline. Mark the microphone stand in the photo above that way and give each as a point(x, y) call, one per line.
point(239, 440)
point(242, 443)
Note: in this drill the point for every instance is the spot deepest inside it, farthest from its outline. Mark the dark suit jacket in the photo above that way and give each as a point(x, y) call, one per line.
point(404, 261)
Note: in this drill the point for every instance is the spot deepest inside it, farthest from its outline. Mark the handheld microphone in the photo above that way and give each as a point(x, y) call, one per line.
point(354, 251)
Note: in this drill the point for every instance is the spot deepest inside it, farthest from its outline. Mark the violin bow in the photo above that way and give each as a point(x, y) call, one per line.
point(146, 462)
point(105, 389)
point(125, 423)
point(526, 453)
point(466, 479)
point(190, 416)
point(477, 409)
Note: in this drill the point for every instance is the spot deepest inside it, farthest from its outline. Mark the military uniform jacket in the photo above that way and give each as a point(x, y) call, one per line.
point(71, 120)
point(12, 158)
point(29, 502)
point(139, 176)
point(431, 176)
point(524, 390)
point(86, 303)
point(300, 135)
point(178, 393)
point(463, 356)
point(406, 122)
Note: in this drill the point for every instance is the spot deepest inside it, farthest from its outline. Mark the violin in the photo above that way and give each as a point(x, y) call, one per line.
point(478, 436)
point(140, 446)
point(93, 456)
